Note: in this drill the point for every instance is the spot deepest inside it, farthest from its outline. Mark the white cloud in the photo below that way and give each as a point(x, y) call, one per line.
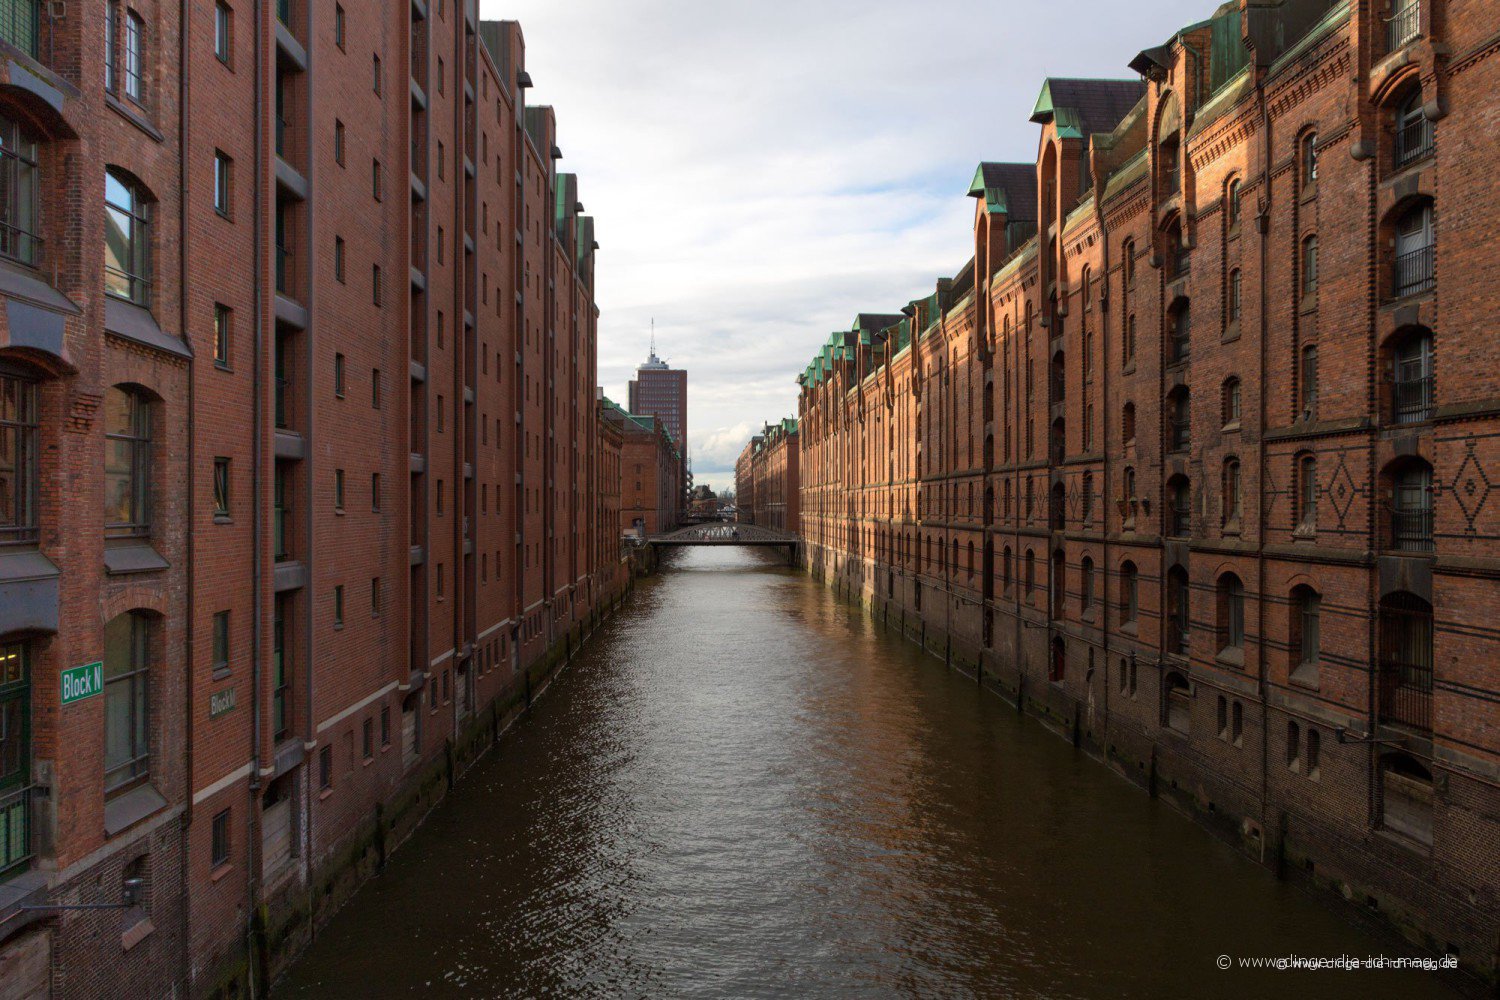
point(760, 173)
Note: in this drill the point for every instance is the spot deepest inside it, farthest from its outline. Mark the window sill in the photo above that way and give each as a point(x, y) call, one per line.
point(1305, 675)
point(122, 559)
point(133, 116)
point(222, 673)
point(325, 793)
point(1130, 628)
point(220, 871)
point(1233, 427)
point(1309, 193)
point(1231, 333)
point(1233, 656)
point(367, 761)
point(129, 808)
point(1309, 303)
point(137, 933)
point(223, 519)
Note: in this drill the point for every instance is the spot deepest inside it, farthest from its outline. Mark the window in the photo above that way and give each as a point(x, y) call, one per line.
point(127, 244)
point(340, 28)
point(1030, 572)
point(1412, 378)
point(1223, 717)
point(1232, 493)
point(1178, 626)
point(219, 854)
point(1416, 251)
point(1127, 423)
point(338, 259)
point(325, 768)
point(377, 184)
point(221, 487)
point(127, 702)
point(338, 375)
point(1178, 703)
point(375, 285)
point(281, 691)
point(367, 739)
point(1130, 339)
point(1314, 753)
point(1411, 507)
point(222, 317)
point(135, 57)
point(338, 606)
point(1309, 160)
point(1179, 332)
point(1413, 130)
point(375, 492)
point(375, 389)
point(1405, 22)
point(375, 596)
point(1235, 289)
point(1179, 420)
point(1307, 492)
point(1406, 797)
point(1232, 203)
point(1127, 258)
point(127, 463)
point(338, 142)
point(18, 459)
point(385, 725)
point(1310, 267)
point(338, 489)
point(221, 643)
point(1305, 633)
point(1236, 723)
point(1293, 746)
point(19, 194)
point(375, 73)
point(440, 575)
point(111, 38)
point(1231, 613)
point(223, 24)
point(1309, 381)
point(222, 168)
point(1129, 592)
point(1087, 578)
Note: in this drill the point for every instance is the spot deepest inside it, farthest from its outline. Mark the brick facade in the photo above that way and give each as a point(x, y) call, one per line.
point(338, 413)
point(1192, 457)
point(766, 478)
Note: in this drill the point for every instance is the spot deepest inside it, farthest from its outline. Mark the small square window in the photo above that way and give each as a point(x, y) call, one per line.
point(222, 316)
point(221, 642)
point(219, 856)
point(221, 487)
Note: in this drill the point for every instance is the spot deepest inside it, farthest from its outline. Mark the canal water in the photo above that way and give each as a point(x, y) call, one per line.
point(744, 788)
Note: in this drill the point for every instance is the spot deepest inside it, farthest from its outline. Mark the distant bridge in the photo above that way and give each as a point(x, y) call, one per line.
point(752, 535)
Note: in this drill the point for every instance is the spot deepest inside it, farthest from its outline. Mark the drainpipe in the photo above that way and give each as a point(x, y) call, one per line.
point(1263, 226)
point(309, 728)
point(185, 199)
point(257, 423)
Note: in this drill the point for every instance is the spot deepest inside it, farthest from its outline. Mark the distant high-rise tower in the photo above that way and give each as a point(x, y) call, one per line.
point(661, 391)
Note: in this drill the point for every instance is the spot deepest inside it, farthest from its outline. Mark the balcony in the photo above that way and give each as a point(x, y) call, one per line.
point(1406, 694)
point(1411, 529)
point(19, 25)
point(1415, 271)
point(1413, 140)
point(1404, 25)
point(15, 830)
point(1413, 400)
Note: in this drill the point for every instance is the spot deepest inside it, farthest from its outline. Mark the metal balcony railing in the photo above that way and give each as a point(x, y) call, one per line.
point(1411, 529)
point(1406, 693)
point(1415, 271)
point(19, 24)
point(1413, 141)
point(1405, 25)
point(15, 829)
point(1413, 400)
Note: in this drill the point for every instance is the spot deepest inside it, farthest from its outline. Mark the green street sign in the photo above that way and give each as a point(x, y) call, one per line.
point(82, 682)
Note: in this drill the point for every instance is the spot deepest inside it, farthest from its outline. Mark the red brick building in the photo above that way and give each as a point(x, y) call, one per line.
point(1192, 457)
point(771, 487)
point(298, 443)
point(651, 496)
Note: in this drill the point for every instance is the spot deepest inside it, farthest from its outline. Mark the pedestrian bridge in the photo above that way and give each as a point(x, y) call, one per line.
point(727, 534)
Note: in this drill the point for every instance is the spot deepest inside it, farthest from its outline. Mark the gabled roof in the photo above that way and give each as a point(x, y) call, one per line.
point(1083, 107)
point(1008, 188)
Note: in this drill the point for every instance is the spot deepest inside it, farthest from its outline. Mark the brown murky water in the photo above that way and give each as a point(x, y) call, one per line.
point(745, 789)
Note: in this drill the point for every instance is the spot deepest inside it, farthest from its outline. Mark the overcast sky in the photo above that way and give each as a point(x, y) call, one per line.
point(761, 172)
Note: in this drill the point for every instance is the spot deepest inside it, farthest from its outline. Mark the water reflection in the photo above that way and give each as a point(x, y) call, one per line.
point(744, 789)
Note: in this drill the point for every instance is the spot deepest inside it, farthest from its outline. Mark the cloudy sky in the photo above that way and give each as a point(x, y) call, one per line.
point(761, 172)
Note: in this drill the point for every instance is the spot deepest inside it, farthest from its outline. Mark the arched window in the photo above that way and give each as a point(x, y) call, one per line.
point(1177, 703)
point(1127, 262)
point(1233, 293)
point(1411, 506)
point(1058, 381)
point(1180, 514)
point(127, 702)
point(1231, 613)
point(1127, 423)
point(1304, 632)
point(1411, 364)
point(20, 193)
point(1413, 130)
point(1310, 267)
point(1129, 592)
point(1307, 492)
point(1005, 571)
point(1405, 671)
point(1406, 797)
point(1309, 160)
point(1416, 251)
point(1293, 746)
point(1179, 419)
point(1232, 203)
point(1086, 577)
point(1130, 338)
point(1087, 498)
point(127, 463)
point(1231, 402)
point(1178, 624)
point(1232, 492)
point(1030, 572)
point(1058, 670)
point(1057, 579)
point(127, 240)
point(1059, 512)
point(1088, 288)
point(969, 570)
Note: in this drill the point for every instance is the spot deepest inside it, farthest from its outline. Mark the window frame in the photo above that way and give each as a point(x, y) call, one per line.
point(21, 210)
point(20, 421)
point(137, 439)
point(134, 676)
point(135, 241)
